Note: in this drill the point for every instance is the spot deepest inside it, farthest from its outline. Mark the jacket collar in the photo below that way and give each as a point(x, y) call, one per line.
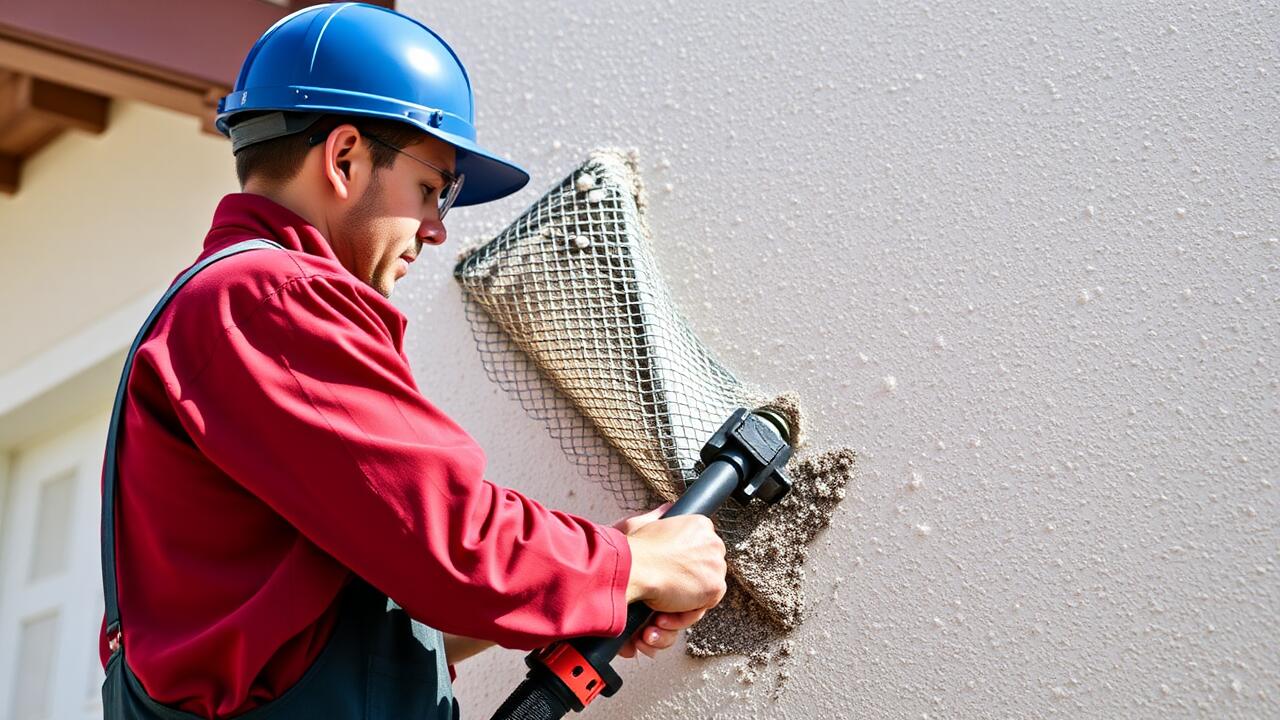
point(241, 216)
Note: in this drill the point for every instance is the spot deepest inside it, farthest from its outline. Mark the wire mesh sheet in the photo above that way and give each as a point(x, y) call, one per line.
point(572, 316)
point(573, 285)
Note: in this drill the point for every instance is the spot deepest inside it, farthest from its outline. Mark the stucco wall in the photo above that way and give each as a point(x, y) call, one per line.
point(101, 220)
point(1054, 227)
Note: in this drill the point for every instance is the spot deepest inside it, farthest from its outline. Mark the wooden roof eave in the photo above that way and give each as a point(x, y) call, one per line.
point(47, 89)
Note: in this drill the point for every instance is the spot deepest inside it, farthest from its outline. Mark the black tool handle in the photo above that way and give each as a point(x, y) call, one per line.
point(535, 699)
point(712, 488)
point(542, 696)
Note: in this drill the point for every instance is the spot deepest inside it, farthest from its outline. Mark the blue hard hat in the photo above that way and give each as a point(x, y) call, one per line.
point(365, 60)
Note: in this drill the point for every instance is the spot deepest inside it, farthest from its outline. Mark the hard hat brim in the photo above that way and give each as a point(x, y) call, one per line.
point(488, 176)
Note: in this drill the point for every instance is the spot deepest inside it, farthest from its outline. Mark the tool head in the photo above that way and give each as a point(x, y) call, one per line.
point(762, 441)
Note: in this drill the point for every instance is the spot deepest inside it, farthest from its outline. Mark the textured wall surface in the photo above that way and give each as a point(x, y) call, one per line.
point(1024, 258)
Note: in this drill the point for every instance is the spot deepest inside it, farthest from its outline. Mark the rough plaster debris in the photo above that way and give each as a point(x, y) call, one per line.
point(737, 626)
point(768, 559)
point(771, 559)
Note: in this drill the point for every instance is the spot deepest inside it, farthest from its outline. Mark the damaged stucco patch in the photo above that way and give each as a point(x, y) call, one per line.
point(772, 560)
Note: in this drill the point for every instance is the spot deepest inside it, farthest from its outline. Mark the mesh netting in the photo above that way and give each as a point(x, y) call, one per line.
point(572, 317)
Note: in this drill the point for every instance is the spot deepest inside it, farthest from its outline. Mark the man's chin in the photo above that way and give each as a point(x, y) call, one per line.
point(382, 285)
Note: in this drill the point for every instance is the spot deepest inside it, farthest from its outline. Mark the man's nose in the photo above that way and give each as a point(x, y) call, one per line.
point(431, 232)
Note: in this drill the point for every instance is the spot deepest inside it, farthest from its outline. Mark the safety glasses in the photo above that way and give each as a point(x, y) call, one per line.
point(452, 182)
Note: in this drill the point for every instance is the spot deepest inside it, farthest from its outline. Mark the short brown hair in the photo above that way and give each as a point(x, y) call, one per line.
point(277, 161)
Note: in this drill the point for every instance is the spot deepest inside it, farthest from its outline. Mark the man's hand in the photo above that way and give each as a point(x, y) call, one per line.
point(702, 571)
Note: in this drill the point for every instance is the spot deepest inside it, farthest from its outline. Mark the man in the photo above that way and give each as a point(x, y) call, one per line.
point(280, 476)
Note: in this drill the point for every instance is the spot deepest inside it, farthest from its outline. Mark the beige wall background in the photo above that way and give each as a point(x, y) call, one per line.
point(101, 220)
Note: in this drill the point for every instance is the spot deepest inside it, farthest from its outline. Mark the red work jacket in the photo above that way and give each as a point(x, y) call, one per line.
point(274, 444)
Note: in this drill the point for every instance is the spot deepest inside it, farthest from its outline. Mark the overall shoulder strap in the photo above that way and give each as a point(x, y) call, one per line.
point(109, 464)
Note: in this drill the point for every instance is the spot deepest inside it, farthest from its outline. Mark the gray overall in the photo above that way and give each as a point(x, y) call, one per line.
point(379, 662)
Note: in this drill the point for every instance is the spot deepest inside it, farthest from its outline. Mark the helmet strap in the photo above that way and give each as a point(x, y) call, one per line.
point(269, 127)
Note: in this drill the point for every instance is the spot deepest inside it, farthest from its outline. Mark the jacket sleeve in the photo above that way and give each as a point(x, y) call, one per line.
point(308, 403)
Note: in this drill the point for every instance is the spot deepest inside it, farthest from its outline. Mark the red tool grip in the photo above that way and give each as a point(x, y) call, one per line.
point(566, 663)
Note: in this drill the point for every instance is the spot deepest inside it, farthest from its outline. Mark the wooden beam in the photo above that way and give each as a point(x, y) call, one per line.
point(33, 112)
point(10, 172)
point(187, 97)
point(71, 107)
point(22, 131)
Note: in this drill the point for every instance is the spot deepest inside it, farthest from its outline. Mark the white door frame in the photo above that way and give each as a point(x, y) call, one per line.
point(74, 592)
point(54, 409)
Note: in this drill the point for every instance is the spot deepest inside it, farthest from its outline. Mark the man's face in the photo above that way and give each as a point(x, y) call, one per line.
point(386, 226)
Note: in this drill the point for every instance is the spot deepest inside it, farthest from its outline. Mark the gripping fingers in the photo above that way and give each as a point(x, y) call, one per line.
point(654, 639)
point(649, 641)
point(678, 621)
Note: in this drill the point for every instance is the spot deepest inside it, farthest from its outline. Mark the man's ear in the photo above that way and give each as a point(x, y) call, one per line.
point(345, 160)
